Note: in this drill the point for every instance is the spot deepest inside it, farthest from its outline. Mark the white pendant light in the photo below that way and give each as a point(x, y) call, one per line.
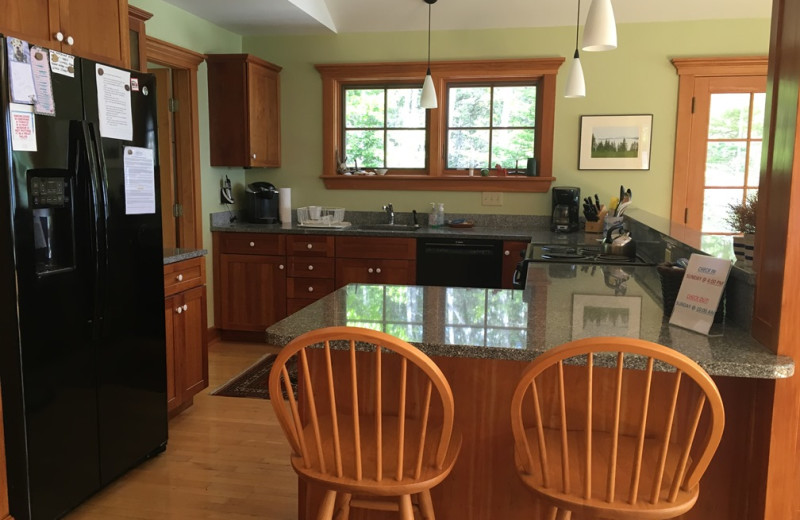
point(576, 85)
point(428, 99)
point(600, 33)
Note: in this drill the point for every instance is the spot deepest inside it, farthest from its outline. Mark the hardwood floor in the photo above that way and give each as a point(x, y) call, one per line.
point(226, 458)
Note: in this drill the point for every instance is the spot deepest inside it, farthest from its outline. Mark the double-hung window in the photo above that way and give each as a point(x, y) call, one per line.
point(491, 113)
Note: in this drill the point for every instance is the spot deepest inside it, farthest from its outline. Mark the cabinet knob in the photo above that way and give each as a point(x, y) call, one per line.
point(252, 244)
point(378, 270)
point(70, 41)
point(179, 310)
point(310, 289)
point(179, 277)
point(185, 307)
point(254, 156)
point(309, 246)
point(59, 36)
point(506, 252)
point(310, 267)
point(280, 267)
point(369, 270)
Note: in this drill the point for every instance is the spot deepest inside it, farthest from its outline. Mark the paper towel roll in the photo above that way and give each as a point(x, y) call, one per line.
point(285, 205)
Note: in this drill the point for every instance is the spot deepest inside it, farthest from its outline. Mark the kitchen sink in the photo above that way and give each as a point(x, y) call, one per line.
point(389, 227)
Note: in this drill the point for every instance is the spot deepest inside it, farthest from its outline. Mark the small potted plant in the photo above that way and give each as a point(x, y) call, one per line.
point(742, 218)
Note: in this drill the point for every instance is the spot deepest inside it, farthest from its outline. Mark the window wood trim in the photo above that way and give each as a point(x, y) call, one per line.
point(336, 76)
point(692, 72)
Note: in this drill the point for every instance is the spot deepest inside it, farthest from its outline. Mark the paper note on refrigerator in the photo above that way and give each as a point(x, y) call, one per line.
point(45, 104)
point(140, 181)
point(63, 64)
point(19, 72)
point(23, 128)
point(114, 102)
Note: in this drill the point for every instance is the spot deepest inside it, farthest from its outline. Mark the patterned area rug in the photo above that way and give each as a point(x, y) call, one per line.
point(254, 381)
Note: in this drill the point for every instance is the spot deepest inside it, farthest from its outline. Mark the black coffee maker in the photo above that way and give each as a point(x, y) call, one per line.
point(262, 203)
point(565, 209)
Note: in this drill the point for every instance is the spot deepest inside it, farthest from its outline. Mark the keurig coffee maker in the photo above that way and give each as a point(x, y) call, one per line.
point(262, 203)
point(565, 209)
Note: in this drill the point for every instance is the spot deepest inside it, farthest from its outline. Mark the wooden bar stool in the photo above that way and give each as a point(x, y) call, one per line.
point(374, 429)
point(615, 439)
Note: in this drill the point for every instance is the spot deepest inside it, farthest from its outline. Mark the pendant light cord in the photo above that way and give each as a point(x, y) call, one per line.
point(577, 31)
point(429, 38)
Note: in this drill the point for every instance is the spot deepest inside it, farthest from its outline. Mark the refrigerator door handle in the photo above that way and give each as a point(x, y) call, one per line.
point(86, 164)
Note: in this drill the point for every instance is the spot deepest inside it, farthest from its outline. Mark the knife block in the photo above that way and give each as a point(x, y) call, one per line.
point(594, 227)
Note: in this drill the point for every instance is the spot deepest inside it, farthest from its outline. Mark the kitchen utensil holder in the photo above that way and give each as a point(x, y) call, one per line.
point(671, 279)
point(594, 227)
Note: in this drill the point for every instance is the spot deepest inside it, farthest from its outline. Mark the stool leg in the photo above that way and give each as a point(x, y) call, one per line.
point(406, 509)
point(326, 508)
point(426, 505)
point(342, 508)
point(564, 514)
point(552, 513)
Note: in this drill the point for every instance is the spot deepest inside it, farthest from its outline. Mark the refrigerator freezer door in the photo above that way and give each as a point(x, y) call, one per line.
point(132, 348)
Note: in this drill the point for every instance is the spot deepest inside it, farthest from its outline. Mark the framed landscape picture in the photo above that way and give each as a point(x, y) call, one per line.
point(615, 142)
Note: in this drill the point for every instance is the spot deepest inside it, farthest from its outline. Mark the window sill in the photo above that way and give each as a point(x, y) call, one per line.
point(450, 183)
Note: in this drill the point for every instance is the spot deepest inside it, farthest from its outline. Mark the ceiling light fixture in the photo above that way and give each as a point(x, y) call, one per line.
point(600, 33)
point(576, 86)
point(428, 91)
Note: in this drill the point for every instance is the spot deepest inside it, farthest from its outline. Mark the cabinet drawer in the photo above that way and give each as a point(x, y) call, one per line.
point(310, 267)
point(376, 247)
point(310, 245)
point(308, 288)
point(295, 304)
point(252, 243)
point(184, 275)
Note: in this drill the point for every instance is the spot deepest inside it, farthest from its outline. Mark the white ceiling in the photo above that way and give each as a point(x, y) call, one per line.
point(254, 17)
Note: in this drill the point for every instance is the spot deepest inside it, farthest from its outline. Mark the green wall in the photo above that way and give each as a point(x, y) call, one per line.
point(636, 78)
point(190, 32)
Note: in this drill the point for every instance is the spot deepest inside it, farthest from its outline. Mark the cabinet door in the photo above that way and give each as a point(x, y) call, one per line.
point(253, 291)
point(35, 21)
point(3, 481)
point(171, 305)
point(99, 30)
point(264, 124)
point(378, 271)
point(511, 257)
point(192, 363)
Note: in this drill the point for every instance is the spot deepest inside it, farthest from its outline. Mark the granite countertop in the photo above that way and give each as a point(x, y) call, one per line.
point(562, 302)
point(176, 254)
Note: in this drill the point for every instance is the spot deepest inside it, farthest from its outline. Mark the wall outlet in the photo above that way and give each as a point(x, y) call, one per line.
point(492, 198)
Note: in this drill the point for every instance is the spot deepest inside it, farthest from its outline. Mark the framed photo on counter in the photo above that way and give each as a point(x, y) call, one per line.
point(615, 142)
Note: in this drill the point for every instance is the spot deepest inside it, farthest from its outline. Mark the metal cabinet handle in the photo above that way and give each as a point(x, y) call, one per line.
point(369, 270)
point(280, 267)
point(378, 270)
point(310, 289)
point(179, 277)
point(309, 246)
point(59, 36)
point(310, 267)
point(506, 252)
point(185, 307)
point(252, 244)
point(70, 41)
point(179, 310)
point(254, 156)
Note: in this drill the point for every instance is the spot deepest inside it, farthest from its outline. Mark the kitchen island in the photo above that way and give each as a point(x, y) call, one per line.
point(482, 339)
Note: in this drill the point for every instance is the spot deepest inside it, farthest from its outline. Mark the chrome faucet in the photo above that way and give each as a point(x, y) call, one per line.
point(389, 209)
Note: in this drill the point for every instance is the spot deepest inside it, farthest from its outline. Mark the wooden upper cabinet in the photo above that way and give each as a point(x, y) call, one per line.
point(244, 111)
point(85, 28)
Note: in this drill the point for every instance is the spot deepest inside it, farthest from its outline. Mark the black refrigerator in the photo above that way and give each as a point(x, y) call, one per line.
point(82, 337)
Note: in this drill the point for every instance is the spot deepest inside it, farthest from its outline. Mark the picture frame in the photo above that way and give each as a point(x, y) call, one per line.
point(603, 137)
point(602, 315)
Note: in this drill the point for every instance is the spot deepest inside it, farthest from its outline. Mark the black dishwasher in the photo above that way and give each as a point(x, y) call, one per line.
point(459, 262)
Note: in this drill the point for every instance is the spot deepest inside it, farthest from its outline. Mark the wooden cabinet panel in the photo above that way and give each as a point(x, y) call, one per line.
point(310, 245)
point(170, 304)
point(376, 247)
point(511, 257)
point(252, 291)
point(97, 30)
point(303, 267)
point(4, 514)
point(295, 304)
point(244, 111)
point(371, 270)
point(253, 244)
point(309, 288)
point(192, 364)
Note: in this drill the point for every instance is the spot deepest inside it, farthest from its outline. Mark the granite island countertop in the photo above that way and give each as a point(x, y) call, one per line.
point(562, 302)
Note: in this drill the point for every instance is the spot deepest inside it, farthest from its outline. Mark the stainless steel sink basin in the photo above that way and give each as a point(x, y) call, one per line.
point(389, 227)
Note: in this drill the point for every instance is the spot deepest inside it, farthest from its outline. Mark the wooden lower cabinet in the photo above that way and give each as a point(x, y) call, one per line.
point(376, 260)
point(4, 514)
point(252, 291)
point(511, 257)
point(310, 269)
point(186, 324)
